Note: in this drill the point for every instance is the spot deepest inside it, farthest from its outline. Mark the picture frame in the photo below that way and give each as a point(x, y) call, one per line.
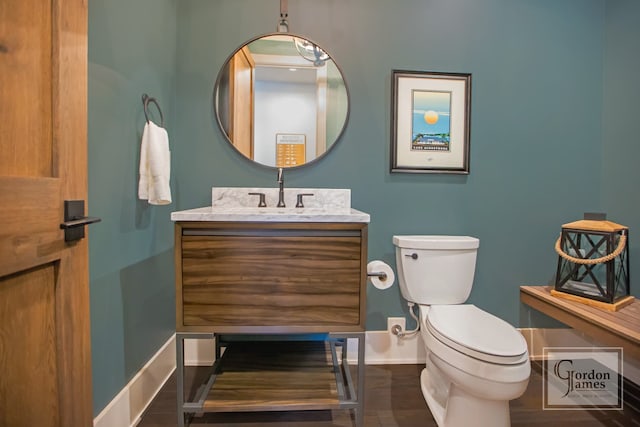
point(291, 149)
point(430, 122)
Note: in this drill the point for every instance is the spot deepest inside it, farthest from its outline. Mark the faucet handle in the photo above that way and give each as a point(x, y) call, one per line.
point(299, 203)
point(262, 203)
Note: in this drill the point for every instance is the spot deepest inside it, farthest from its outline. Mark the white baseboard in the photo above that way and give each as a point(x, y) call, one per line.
point(199, 352)
point(126, 408)
point(384, 348)
point(381, 347)
point(538, 338)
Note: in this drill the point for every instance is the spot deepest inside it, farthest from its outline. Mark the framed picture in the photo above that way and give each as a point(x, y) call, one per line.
point(430, 122)
point(290, 149)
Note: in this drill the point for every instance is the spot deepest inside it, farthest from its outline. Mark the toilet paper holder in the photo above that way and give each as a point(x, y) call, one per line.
point(381, 274)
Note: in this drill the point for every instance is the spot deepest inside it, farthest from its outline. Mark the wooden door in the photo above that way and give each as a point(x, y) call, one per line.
point(242, 67)
point(45, 362)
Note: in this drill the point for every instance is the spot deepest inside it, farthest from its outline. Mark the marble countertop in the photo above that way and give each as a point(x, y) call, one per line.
point(319, 198)
point(245, 214)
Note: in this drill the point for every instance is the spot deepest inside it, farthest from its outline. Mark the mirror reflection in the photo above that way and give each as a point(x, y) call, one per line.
point(281, 100)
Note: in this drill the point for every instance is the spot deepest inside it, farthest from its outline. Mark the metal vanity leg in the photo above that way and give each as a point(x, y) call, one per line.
point(361, 369)
point(355, 394)
point(180, 378)
point(218, 345)
point(359, 392)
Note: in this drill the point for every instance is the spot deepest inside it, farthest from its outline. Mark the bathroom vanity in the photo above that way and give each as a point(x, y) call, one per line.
point(281, 291)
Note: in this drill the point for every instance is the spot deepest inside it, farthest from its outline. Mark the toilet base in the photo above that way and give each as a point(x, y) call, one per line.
point(460, 409)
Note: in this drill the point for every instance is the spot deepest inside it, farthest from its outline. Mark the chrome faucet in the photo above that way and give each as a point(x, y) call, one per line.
point(281, 185)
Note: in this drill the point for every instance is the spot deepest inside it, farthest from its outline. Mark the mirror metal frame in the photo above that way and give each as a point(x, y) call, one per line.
point(226, 136)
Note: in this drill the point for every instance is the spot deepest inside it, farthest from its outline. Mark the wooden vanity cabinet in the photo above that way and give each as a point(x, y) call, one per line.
point(244, 277)
point(238, 279)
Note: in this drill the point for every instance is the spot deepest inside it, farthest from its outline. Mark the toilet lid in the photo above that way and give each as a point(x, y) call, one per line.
point(477, 333)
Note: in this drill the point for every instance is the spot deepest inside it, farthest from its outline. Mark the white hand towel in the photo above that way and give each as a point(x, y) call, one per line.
point(155, 165)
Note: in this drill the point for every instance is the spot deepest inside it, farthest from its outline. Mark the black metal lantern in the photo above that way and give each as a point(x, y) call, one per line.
point(593, 260)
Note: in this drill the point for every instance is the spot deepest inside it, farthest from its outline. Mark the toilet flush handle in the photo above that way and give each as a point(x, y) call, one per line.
point(413, 255)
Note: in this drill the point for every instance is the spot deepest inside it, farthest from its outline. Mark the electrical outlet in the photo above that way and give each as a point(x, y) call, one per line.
point(393, 321)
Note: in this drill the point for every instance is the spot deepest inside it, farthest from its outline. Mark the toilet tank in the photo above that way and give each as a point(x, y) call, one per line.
point(436, 269)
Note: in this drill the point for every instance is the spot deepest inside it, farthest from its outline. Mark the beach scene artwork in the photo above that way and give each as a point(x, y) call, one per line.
point(431, 121)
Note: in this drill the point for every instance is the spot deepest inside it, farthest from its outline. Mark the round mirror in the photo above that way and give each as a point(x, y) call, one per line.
point(281, 100)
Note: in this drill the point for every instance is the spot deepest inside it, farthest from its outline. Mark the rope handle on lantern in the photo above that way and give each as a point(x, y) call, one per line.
point(606, 258)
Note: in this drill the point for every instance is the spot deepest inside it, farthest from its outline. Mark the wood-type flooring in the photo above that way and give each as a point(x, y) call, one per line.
point(393, 399)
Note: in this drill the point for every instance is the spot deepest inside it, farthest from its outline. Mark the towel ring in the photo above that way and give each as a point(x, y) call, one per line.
point(146, 99)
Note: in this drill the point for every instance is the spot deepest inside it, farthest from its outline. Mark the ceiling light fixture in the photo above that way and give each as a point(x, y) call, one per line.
point(311, 51)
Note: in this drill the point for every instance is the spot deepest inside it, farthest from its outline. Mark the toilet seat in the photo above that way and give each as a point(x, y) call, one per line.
point(476, 333)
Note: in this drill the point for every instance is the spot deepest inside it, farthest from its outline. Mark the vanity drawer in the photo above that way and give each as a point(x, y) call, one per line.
point(272, 281)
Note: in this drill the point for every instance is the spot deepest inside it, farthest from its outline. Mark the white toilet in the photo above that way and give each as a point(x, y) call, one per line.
point(476, 362)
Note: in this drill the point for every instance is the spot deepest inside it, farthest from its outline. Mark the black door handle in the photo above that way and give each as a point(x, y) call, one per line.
point(74, 220)
point(80, 222)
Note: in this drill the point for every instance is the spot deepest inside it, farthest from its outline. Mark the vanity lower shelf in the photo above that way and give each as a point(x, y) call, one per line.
point(268, 375)
point(274, 376)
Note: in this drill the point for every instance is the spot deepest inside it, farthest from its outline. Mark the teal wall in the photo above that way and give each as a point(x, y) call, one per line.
point(132, 49)
point(536, 123)
point(621, 124)
point(553, 134)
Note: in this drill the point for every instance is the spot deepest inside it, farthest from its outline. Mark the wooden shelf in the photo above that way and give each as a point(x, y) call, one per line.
point(619, 329)
point(275, 376)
